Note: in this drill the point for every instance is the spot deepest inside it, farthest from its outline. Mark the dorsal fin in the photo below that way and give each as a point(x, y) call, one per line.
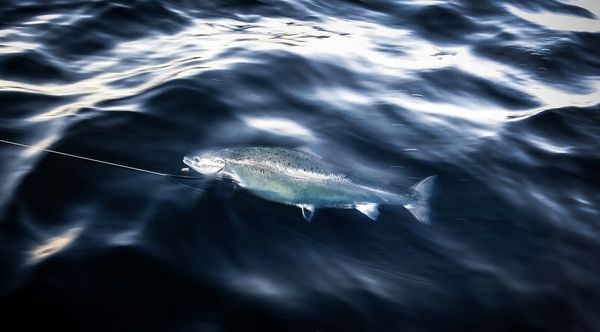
point(307, 150)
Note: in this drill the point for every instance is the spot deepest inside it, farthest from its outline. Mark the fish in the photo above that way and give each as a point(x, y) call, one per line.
point(305, 180)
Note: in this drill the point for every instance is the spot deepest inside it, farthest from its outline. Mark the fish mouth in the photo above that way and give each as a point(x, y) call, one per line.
point(187, 160)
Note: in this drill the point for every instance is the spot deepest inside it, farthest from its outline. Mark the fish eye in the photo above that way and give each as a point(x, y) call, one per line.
point(197, 159)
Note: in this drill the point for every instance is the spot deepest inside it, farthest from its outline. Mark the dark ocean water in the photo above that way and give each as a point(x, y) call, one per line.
point(500, 99)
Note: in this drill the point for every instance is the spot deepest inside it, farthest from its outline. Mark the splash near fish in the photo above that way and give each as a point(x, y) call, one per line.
point(304, 180)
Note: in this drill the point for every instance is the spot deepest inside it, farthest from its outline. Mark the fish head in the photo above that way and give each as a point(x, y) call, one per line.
point(206, 163)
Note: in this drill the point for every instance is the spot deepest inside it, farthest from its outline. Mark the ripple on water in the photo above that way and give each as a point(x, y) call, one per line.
point(499, 99)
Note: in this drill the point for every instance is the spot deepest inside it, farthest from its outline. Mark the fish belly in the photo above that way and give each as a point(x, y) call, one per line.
point(292, 190)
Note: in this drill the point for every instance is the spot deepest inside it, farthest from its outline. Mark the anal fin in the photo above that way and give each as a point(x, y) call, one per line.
point(368, 209)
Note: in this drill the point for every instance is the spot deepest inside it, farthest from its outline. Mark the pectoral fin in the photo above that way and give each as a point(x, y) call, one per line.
point(368, 209)
point(308, 211)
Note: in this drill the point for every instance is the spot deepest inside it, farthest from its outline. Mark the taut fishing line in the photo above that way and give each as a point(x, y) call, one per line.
point(100, 161)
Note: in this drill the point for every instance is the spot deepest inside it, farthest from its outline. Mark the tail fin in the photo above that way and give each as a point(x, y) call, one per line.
point(420, 207)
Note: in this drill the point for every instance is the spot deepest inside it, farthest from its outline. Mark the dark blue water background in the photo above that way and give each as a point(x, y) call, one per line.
point(498, 98)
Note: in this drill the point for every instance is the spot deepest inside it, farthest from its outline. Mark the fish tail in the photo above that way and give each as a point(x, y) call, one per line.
point(420, 207)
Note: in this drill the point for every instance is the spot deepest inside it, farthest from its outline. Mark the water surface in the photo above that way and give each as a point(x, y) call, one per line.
point(500, 99)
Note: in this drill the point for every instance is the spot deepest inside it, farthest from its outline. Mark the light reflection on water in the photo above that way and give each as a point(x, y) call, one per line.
point(557, 21)
point(221, 44)
point(54, 245)
point(502, 110)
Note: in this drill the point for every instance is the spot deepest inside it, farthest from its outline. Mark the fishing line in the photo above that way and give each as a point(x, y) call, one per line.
point(100, 161)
